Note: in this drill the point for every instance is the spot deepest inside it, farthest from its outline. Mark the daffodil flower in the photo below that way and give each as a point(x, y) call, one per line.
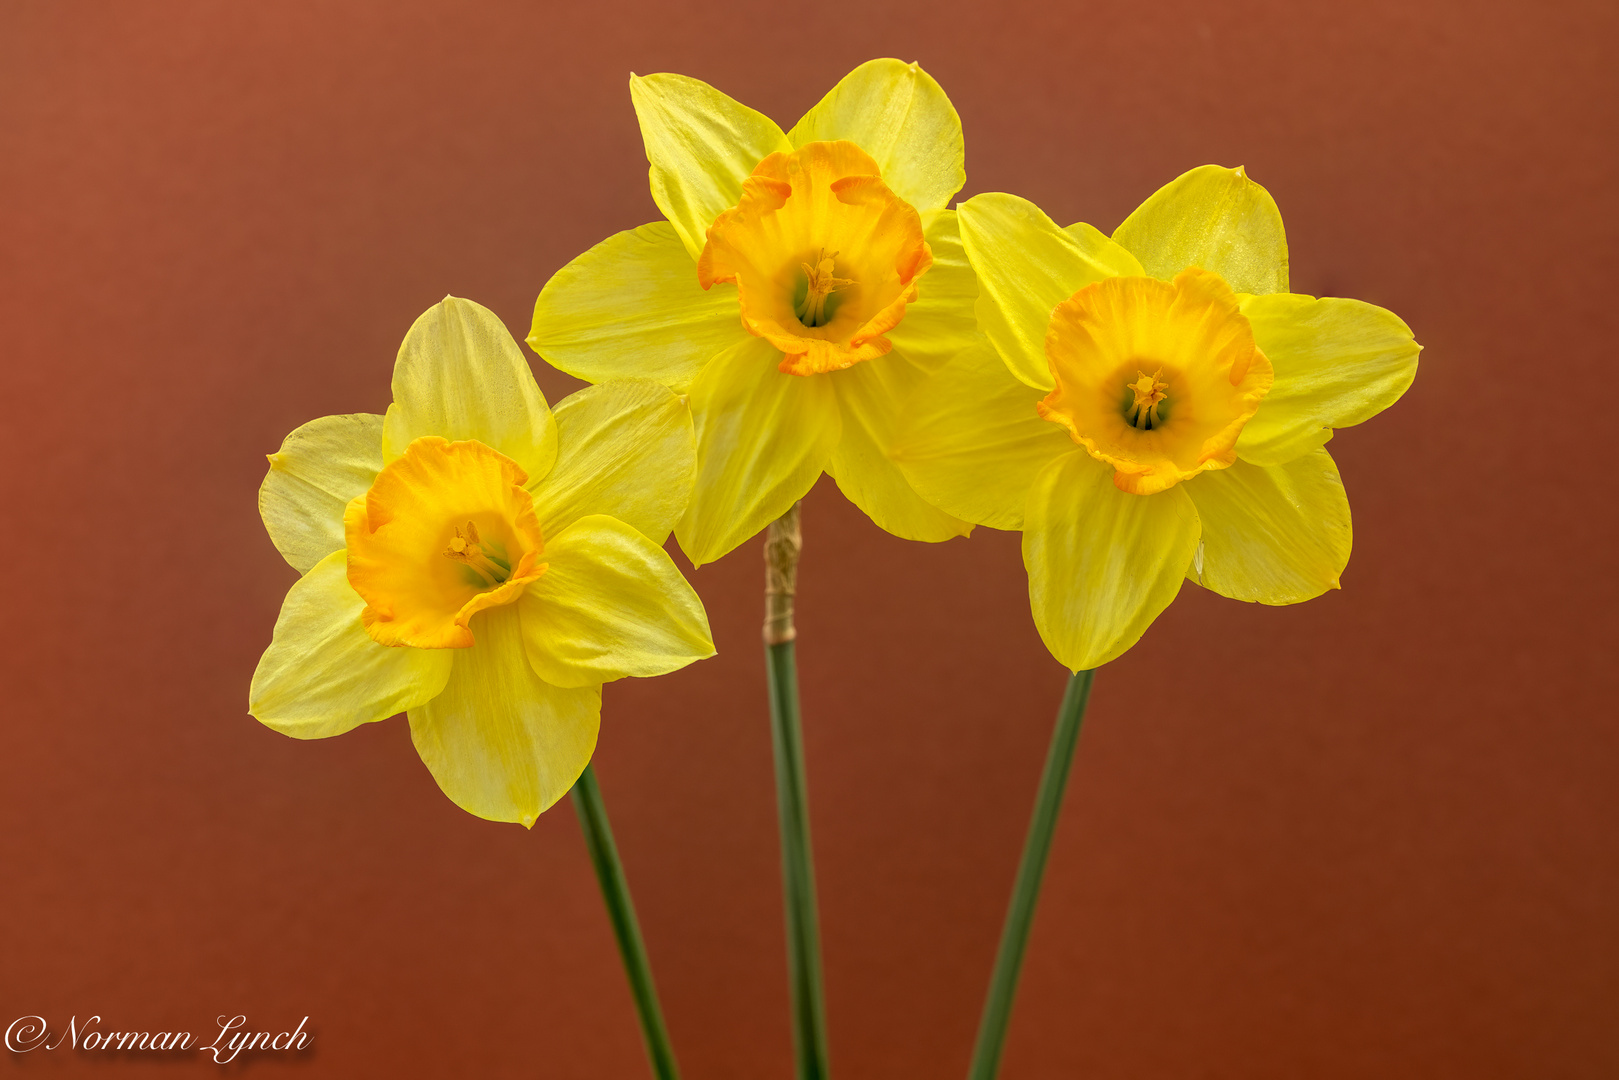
point(479, 562)
point(1155, 407)
point(804, 283)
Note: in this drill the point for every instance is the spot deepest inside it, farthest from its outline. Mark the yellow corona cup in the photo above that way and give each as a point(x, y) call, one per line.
point(1150, 408)
point(479, 562)
point(804, 284)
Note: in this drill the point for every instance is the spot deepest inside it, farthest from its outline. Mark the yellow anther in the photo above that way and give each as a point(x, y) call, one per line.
point(467, 549)
point(1149, 391)
point(820, 283)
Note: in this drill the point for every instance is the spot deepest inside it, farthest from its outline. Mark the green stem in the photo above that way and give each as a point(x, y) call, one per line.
point(797, 866)
point(986, 1061)
point(587, 803)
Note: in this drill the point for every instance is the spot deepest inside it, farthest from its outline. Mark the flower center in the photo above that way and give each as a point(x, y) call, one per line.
point(819, 285)
point(487, 564)
point(1149, 397)
point(445, 531)
point(824, 256)
point(1194, 339)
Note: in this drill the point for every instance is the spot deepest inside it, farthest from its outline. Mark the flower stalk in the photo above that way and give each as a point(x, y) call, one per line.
point(783, 542)
point(986, 1061)
point(592, 812)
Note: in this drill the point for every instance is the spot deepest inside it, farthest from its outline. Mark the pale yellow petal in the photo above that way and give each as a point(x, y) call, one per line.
point(763, 438)
point(503, 743)
point(632, 307)
point(898, 114)
point(701, 145)
point(1026, 266)
point(941, 323)
point(1102, 563)
point(323, 675)
point(610, 605)
point(971, 443)
point(319, 468)
point(869, 395)
point(1337, 362)
point(1215, 218)
point(461, 376)
point(624, 448)
point(1272, 535)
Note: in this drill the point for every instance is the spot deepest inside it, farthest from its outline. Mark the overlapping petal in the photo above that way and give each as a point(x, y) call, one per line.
point(1276, 535)
point(701, 145)
point(939, 324)
point(1102, 563)
point(1338, 362)
point(319, 468)
point(610, 605)
point(763, 437)
point(970, 441)
point(503, 743)
point(1214, 218)
point(899, 115)
point(461, 376)
point(632, 307)
point(869, 397)
point(1026, 266)
point(624, 448)
point(323, 675)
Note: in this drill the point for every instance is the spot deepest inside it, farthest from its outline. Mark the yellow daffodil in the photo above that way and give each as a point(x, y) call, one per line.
point(804, 283)
point(1154, 407)
point(479, 562)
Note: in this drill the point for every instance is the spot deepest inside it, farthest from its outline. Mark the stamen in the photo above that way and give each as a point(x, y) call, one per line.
point(467, 549)
point(820, 284)
point(1149, 391)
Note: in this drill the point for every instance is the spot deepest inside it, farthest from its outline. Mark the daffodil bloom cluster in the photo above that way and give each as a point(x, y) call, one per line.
point(479, 562)
point(1151, 407)
point(803, 285)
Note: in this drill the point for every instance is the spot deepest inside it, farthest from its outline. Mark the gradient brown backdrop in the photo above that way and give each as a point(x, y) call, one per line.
point(1370, 836)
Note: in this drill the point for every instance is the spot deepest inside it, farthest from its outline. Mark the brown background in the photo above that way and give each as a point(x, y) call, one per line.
point(1370, 836)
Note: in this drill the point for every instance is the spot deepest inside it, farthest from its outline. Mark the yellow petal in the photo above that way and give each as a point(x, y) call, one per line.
point(869, 396)
point(503, 743)
point(1338, 362)
point(899, 115)
point(319, 468)
point(611, 605)
point(971, 442)
point(461, 376)
point(625, 448)
point(1026, 266)
point(632, 306)
point(1272, 535)
point(323, 675)
point(701, 145)
point(1214, 218)
point(1102, 563)
point(940, 323)
point(763, 438)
